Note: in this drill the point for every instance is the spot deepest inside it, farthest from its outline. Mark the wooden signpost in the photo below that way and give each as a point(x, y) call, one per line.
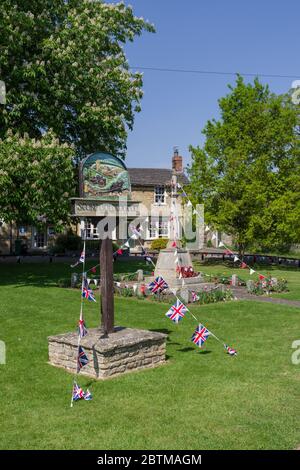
point(107, 287)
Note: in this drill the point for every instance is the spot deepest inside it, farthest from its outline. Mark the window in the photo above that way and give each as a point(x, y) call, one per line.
point(40, 240)
point(158, 228)
point(23, 229)
point(163, 229)
point(90, 230)
point(159, 195)
point(152, 229)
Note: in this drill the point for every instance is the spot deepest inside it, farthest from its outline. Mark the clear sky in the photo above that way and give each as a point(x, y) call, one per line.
point(254, 36)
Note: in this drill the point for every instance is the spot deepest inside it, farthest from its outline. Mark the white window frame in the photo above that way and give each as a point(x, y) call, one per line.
point(160, 195)
point(154, 229)
point(34, 238)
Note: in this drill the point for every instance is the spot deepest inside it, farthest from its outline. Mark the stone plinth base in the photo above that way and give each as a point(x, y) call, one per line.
point(125, 350)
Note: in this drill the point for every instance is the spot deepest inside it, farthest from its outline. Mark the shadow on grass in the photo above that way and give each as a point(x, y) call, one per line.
point(187, 349)
point(161, 330)
point(47, 274)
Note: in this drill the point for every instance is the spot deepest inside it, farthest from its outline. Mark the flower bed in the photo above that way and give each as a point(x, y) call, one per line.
point(214, 295)
point(267, 286)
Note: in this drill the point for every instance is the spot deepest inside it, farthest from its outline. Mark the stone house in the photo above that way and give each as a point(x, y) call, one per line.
point(150, 186)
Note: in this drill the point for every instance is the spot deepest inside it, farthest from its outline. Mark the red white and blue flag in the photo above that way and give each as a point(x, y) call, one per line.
point(177, 311)
point(230, 351)
point(82, 257)
point(200, 335)
point(87, 293)
point(195, 297)
point(82, 358)
point(88, 396)
point(158, 285)
point(82, 331)
point(78, 393)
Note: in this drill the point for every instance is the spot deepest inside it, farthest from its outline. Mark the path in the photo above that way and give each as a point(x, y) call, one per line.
point(242, 294)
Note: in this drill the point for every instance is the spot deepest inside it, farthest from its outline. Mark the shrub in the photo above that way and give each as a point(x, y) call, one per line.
point(215, 295)
point(64, 282)
point(159, 244)
point(66, 242)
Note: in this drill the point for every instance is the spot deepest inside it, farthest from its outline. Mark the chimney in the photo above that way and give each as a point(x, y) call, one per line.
point(177, 161)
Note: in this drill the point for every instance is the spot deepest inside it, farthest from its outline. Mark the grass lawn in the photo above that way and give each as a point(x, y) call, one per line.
point(198, 400)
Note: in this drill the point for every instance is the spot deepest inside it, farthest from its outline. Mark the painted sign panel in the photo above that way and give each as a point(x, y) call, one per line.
point(104, 176)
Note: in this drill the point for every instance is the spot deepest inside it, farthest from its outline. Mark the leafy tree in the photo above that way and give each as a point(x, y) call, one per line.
point(36, 180)
point(65, 69)
point(247, 172)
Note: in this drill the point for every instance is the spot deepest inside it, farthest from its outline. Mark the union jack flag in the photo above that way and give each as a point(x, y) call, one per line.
point(158, 285)
point(230, 351)
point(82, 358)
point(78, 393)
point(82, 257)
point(82, 331)
point(87, 293)
point(87, 395)
point(177, 311)
point(195, 297)
point(200, 335)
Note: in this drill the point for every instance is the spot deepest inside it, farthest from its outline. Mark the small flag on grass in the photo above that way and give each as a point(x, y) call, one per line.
point(78, 393)
point(230, 351)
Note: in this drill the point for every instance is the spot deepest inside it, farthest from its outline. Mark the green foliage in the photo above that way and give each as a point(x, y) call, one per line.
point(66, 242)
point(125, 292)
point(214, 295)
point(159, 244)
point(247, 173)
point(36, 179)
point(64, 282)
point(65, 68)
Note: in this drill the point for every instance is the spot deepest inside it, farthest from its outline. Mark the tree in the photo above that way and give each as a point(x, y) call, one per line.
point(65, 69)
point(247, 172)
point(36, 180)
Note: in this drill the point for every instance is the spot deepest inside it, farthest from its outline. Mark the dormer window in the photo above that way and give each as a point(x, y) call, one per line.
point(159, 195)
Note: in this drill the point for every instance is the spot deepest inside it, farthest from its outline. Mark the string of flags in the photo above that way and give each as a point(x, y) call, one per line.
point(243, 264)
point(82, 359)
point(177, 312)
point(136, 233)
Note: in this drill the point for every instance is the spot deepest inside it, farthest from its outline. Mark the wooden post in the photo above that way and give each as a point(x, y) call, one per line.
point(107, 286)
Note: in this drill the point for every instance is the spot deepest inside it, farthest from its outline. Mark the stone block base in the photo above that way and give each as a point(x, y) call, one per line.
point(125, 350)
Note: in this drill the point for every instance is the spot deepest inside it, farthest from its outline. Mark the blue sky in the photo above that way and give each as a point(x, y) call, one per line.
point(215, 35)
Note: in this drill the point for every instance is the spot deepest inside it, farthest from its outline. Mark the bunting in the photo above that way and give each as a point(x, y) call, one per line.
point(177, 311)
